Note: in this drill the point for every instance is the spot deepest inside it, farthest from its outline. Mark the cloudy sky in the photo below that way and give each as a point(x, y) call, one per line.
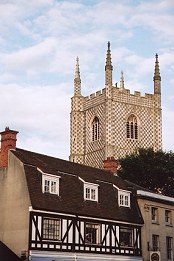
point(39, 43)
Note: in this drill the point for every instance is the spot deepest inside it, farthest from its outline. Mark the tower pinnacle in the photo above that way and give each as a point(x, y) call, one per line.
point(77, 80)
point(122, 81)
point(108, 67)
point(157, 77)
point(157, 71)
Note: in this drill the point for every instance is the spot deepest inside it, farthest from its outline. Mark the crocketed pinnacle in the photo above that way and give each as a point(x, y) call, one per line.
point(108, 58)
point(108, 67)
point(157, 70)
point(122, 81)
point(77, 80)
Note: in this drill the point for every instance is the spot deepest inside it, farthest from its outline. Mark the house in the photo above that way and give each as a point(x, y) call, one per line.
point(52, 209)
point(158, 230)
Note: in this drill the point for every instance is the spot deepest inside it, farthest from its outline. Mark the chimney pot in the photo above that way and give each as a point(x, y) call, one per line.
point(111, 164)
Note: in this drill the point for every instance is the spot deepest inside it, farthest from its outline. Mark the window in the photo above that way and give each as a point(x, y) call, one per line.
point(155, 242)
point(92, 233)
point(90, 191)
point(126, 237)
point(169, 242)
point(132, 127)
point(168, 217)
point(95, 129)
point(50, 184)
point(124, 198)
point(51, 229)
point(154, 214)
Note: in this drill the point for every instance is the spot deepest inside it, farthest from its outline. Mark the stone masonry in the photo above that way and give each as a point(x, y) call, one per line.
point(113, 107)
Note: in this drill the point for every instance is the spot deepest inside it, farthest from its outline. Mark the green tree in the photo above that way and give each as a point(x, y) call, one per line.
point(149, 169)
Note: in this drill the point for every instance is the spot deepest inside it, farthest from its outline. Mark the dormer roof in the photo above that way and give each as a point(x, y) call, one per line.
point(71, 191)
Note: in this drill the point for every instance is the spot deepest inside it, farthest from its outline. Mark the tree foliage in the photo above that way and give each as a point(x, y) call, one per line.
point(149, 169)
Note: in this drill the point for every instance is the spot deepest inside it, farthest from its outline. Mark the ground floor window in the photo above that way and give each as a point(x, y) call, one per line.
point(92, 233)
point(126, 237)
point(169, 248)
point(155, 242)
point(51, 229)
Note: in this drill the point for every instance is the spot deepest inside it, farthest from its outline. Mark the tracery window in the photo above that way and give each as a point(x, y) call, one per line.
point(95, 129)
point(132, 127)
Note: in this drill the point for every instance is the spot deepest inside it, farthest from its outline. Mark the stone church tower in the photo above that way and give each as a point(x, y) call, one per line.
point(112, 122)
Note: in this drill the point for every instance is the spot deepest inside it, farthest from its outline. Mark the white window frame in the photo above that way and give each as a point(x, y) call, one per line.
point(52, 181)
point(89, 190)
point(124, 198)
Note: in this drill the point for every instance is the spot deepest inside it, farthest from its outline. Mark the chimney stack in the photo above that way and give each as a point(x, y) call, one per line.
point(110, 164)
point(8, 141)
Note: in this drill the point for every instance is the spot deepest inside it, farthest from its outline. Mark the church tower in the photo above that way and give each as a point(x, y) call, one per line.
point(113, 122)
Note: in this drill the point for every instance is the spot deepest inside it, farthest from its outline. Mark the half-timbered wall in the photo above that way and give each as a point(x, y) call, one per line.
point(73, 237)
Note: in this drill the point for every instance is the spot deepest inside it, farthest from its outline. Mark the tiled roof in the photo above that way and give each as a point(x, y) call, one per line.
point(143, 193)
point(6, 254)
point(71, 199)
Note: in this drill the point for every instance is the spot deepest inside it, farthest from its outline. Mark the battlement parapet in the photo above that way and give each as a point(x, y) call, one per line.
point(120, 93)
point(136, 93)
point(95, 94)
point(149, 95)
point(126, 92)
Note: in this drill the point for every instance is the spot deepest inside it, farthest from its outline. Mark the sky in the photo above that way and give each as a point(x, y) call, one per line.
point(39, 43)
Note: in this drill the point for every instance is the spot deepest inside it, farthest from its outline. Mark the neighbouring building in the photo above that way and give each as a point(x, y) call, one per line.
point(158, 214)
point(158, 230)
point(113, 122)
point(52, 209)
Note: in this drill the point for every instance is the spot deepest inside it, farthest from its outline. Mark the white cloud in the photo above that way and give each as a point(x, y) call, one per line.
point(39, 113)
point(30, 59)
point(156, 16)
point(38, 46)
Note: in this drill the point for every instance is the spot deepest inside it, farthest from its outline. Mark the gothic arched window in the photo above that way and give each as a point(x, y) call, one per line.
point(95, 129)
point(132, 127)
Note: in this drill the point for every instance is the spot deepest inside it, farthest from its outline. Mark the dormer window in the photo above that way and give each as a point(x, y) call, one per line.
point(50, 184)
point(124, 198)
point(90, 191)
